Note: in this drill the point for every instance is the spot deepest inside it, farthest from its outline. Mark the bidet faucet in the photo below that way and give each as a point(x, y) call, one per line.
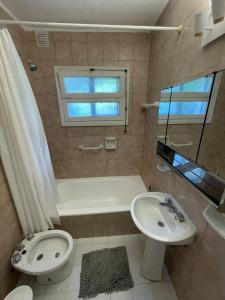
point(29, 236)
point(16, 258)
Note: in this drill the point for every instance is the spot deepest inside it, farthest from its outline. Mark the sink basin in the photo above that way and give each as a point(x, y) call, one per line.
point(156, 222)
point(161, 227)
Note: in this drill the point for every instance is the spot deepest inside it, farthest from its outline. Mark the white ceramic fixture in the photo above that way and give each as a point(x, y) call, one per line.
point(46, 255)
point(23, 292)
point(163, 221)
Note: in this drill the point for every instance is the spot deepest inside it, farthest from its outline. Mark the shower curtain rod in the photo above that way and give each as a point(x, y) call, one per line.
point(74, 26)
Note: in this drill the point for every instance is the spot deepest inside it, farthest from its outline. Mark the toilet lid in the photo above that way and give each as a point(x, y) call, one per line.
point(23, 292)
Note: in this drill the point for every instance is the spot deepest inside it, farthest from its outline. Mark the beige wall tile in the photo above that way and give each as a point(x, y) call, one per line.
point(63, 51)
point(79, 51)
point(126, 51)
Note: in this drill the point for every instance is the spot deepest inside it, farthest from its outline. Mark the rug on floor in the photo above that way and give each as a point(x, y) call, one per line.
point(105, 271)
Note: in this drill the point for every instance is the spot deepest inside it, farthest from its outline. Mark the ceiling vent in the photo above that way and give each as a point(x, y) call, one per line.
point(42, 38)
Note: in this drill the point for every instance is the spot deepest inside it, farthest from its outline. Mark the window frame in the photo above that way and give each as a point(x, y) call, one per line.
point(122, 96)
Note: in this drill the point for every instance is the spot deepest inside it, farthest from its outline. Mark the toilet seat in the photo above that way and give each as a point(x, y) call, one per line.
point(23, 292)
point(45, 253)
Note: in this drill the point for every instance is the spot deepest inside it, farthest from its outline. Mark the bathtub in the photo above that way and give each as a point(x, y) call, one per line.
point(98, 195)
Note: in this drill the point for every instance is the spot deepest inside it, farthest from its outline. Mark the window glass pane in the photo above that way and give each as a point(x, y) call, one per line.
point(106, 84)
point(79, 109)
point(93, 109)
point(77, 85)
point(188, 108)
point(85, 84)
point(200, 85)
point(197, 108)
point(107, 109)
point(163, 108)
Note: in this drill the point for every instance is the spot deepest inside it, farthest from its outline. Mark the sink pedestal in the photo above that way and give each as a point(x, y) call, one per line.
point(153, 260)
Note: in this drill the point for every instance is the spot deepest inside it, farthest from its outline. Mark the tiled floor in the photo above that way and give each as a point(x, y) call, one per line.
point(143, 289)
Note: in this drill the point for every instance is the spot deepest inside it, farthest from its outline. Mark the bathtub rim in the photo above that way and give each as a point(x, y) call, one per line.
point(99, 210)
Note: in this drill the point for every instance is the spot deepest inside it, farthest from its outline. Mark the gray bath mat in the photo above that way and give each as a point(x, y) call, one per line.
point(105, 271)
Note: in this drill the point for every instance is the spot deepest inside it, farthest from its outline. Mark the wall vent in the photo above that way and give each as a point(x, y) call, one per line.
point(42, 38)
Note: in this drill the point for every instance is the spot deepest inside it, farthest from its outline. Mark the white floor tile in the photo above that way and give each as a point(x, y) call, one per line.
point(39, 289)
point(143, 292)
point(116, 238)
point(100, 246)
point(135, 249)
point(100, 240)
point(133, 237)
point(116, 244)
point(74, 281)
point(165, 275)
point(39, 297)
point(116, 241)
point(84, 241)
point(80, 250)
point(135, 269)
point(102, 297)
point(58, 287)
point(56, 296)
point(164, 291)
point(127, 295)
point(72, 295)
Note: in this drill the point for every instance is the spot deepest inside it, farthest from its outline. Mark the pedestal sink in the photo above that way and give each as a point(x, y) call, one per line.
point(163, 221)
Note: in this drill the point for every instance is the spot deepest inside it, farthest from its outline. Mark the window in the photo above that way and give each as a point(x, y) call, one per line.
point(189, 101)
point(92, 96)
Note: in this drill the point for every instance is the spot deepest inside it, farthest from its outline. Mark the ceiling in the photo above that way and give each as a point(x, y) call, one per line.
point(119, 12)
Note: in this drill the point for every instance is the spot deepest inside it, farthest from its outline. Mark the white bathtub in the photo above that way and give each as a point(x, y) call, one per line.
point(98, 195)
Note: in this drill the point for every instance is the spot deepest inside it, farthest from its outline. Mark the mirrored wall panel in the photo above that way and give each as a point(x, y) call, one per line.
point(186, 106)
point(212, 149)
point(164, 105)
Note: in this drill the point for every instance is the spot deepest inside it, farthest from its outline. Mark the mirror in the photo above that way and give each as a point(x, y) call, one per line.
point(186, 106)
point(212, 149)
point(164, 102)
point(192, 124)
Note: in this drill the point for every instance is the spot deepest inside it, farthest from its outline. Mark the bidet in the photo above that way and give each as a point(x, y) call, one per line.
point(46, 255)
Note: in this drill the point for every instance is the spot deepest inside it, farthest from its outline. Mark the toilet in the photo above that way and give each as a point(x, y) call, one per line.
point(47, 255)
point(23, 292)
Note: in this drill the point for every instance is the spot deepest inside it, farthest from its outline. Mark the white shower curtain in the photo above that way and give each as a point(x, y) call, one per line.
point(23, 146)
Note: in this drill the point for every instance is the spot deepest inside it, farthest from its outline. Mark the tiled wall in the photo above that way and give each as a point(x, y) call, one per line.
point(198, 271)
point(83, 49)
point(10, 230)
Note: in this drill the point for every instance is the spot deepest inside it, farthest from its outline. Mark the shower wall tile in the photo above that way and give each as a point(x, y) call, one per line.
point(92, 48)
point(197, 271)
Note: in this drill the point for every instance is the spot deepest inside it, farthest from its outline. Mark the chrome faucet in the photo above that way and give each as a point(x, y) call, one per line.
point(179, 217)
point(169, 203)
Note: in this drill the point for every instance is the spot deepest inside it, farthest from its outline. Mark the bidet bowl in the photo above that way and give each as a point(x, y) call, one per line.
point(45, 253)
